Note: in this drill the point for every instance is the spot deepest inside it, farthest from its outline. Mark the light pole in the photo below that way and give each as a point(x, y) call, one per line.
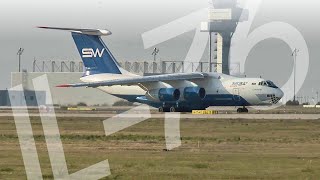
point(317, 97)
point(19, 53)
point(210, 52)
point(294, 54)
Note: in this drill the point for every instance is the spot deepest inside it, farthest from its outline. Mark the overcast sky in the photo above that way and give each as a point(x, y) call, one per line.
point(128, 19)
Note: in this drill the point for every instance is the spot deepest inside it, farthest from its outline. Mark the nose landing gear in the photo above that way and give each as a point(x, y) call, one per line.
point(242, 110)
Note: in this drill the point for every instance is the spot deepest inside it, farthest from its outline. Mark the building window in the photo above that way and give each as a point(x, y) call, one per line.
point(31, 98)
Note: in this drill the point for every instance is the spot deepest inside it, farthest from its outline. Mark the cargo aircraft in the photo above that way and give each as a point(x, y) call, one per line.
point(178, 92)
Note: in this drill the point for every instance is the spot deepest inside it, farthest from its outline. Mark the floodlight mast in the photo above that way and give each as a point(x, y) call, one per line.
point(294, 54)
point(210, 51)
point(19, 53)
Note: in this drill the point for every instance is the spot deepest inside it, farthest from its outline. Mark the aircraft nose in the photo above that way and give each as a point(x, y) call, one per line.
point(278, 94)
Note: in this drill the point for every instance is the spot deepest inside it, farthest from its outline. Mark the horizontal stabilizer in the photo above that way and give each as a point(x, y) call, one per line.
point(94, 32)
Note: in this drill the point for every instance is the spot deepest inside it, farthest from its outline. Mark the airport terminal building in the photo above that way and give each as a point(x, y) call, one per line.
point(22, 98)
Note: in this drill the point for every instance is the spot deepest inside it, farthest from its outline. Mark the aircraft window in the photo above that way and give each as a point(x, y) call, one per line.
point(254, 83)
point(271, 84)
point(267, 83)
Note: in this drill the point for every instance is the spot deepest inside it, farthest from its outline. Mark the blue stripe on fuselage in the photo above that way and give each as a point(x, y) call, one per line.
point(209, 100)
point(225, 100)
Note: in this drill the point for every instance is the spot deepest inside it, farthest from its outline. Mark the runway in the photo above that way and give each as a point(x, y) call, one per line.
point(182, 116)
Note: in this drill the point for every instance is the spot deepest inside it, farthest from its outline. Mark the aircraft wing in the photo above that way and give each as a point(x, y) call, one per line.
point(139, 80)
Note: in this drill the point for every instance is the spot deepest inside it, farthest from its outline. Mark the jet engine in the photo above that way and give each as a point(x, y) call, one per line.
point(194, 93)
point(163, 95)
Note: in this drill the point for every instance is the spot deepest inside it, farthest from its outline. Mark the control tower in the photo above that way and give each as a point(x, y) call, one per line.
point(223, 18)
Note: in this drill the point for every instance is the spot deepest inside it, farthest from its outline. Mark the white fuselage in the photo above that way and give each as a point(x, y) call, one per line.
point(220, 91)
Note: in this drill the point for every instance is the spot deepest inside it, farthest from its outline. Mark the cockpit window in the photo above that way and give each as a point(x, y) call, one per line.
point(271, 84)
point(268, 84)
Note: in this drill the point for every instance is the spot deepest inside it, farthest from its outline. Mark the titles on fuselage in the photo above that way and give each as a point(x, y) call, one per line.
point(234, 84)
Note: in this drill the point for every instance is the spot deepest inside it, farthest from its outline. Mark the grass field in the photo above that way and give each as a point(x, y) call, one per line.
point(211, 149)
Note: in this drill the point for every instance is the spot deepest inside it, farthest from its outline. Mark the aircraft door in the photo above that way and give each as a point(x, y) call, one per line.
point(236, 94)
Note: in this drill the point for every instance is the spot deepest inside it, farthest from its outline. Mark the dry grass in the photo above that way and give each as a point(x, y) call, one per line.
point(228, 149)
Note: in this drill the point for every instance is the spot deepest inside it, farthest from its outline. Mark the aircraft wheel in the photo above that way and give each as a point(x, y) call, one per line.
point(161, 109)
point(242, 110)
point(173, 109)
point(164, 109)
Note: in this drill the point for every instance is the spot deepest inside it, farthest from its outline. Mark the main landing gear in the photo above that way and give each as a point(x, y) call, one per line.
point(242, 110)
point(175, 108)
point(171, 109)
point(163, 109)
point(167, 109)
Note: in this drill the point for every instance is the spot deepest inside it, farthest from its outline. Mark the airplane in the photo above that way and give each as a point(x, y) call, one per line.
point(178, 92)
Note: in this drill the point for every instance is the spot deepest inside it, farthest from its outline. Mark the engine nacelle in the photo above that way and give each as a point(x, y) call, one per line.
point(163, 95)
point(194, 93)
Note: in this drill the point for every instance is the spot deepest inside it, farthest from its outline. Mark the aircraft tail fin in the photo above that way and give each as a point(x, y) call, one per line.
point(95, 55)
